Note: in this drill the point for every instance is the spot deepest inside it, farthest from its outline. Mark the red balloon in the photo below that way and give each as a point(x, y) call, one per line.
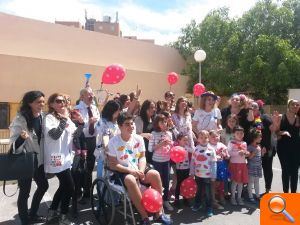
point(152, 200)
point(172, 78)
point(178, 154)
point(199, 89)
point(113, 74)
point(188, 188)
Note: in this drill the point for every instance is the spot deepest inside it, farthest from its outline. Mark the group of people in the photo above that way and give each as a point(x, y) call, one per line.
point(225, 149)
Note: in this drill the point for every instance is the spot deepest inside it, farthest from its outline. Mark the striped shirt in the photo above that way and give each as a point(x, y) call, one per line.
point(161, 154)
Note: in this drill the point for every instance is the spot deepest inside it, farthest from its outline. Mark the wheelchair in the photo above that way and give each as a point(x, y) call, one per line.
point(108, 199)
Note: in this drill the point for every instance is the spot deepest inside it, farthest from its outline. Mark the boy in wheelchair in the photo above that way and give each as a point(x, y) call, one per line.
point(126, 157)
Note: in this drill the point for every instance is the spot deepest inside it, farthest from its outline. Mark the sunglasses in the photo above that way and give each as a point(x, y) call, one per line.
point(59, 101)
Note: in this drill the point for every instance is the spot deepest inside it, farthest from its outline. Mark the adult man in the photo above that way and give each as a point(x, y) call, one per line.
point(91, 115)
point(126, 156)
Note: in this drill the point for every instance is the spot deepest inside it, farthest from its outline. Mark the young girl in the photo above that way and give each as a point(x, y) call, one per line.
point(227, 132)
point(183, 168)
point(222, 167)
point(254, 163)
point(237, 150)
point(203, 167)
point(160, 144)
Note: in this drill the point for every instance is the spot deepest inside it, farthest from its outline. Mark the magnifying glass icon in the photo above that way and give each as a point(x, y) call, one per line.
point(277, 205)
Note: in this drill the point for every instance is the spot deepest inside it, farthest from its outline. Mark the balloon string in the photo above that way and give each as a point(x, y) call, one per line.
point(170, 87)
point(101, 85)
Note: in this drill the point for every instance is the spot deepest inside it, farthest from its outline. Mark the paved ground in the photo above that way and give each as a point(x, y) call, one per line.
point(247, 215)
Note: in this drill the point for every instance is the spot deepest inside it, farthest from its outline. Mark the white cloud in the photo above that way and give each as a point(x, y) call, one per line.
point(135, 20)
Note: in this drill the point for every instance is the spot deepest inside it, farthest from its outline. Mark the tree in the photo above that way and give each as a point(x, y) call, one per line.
point(257, 53)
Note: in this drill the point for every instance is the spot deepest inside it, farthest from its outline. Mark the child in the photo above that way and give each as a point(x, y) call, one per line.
point(254, 163)
point(183, 168)
point(203, 167)
point(160, 144)
point(237, 150)
point(227, 133)
point(222, 167)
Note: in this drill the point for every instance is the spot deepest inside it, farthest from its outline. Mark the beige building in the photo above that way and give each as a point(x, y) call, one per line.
point(54, 58)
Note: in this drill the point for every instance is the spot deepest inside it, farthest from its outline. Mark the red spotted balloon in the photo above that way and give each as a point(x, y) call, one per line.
point(113, 74)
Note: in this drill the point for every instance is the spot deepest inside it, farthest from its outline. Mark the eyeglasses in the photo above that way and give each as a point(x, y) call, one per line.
point(59, 101)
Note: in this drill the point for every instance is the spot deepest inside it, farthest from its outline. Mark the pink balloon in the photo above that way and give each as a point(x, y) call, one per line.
point(188, 188)
point(172, 78)
point(113, 74)
point(152, 200)
point(178, 154)
point(199, 89)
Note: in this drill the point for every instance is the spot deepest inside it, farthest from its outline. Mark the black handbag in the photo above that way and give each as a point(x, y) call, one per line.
point(16, 166)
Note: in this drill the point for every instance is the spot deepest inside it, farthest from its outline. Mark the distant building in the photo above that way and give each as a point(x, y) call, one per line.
point(70, 24)
point(152, 41)
point(105, 26)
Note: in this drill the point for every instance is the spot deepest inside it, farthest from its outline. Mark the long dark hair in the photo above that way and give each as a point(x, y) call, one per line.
point(109, 109)
point(143, 113)
point(25, 109)
point(122, 100)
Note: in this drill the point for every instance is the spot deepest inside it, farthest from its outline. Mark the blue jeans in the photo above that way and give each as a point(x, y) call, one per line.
point(164, 169)
point(100, 168)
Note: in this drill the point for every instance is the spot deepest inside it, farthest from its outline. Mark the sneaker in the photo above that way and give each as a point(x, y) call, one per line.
point(52, 216)
point(209, 213)
point(196, 207)
point(64, 220)
point(168, 206)
point(145, 221)
point(36, 219)
point(233, 201)
point(240, 201)
point(164, 219)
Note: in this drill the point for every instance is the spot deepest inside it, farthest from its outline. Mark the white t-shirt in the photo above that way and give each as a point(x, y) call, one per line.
point(58, 153)
point(127, 153)
point(202, 159)
point(104, 128)
point(207, 120)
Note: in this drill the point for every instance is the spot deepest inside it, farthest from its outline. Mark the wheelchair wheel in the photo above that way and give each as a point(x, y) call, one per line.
point(102, 202)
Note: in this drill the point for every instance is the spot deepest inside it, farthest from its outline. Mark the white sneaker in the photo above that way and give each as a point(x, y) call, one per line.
point(63, 220)
point(168, 206)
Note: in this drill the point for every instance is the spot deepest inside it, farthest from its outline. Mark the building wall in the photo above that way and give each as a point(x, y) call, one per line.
point(54, 58)
point(107, 28)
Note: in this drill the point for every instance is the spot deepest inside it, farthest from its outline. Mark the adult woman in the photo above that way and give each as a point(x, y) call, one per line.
point(183, 121)
point(59, 131)
point(244, 115)
point(26, 131)
point(106, 129)
point(207, 117)
point(264, 123)
point(144, 125)
point(288, 146)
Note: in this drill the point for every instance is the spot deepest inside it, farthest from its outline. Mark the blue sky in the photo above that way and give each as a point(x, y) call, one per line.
point(153, 19)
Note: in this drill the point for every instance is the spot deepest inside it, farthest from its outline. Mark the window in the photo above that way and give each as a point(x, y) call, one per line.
point(4, 115)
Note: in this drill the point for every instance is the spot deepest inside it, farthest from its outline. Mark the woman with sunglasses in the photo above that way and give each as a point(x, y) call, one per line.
point(26, 133)
point(288, 146)
point(59, 131)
